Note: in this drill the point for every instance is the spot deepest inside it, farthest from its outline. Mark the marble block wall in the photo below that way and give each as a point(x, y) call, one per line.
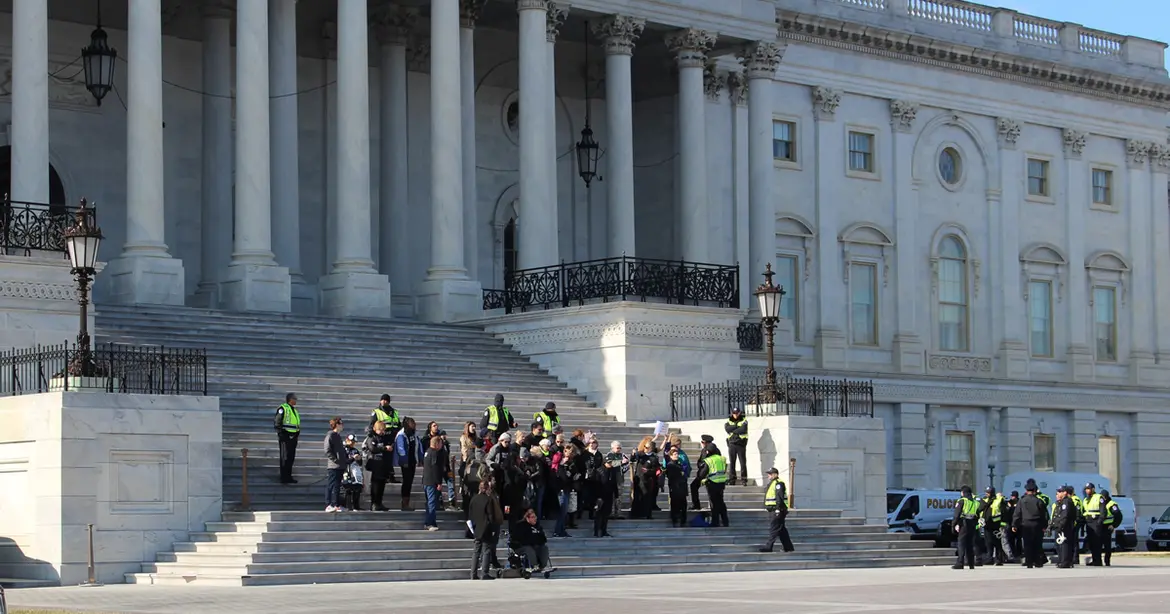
point(38, 301)
point(625, 356)
point(145, 470)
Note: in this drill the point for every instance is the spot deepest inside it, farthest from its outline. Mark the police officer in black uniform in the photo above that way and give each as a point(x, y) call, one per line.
point(1064, 528)
point(776, 502)
point(1113, 517)
point(1028, 522)
point(966, 525)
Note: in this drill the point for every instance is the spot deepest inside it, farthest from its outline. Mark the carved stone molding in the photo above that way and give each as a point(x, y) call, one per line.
point(903, 114)
point(470, 12)
point(394, 25)
point(761, 59)
point(35, 290)
point(524, 5)
point(1008, 131)
point(217, 9)
point(418, 55)
point(976, 364)
point(1074, 142)
point(690, 46)
point(713, 82)
point(564, 334)
point(557, 14)
point(619, 33)
point(1160, 157)
point(825, 103)
point(66, 84)
point(1137, 153)
point(737, 88)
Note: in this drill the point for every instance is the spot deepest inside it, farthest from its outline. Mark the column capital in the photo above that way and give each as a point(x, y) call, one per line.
point(1008, 132)
point(1137, 153)
point(217, 9)
point(394, 25)
point(418, 54)
point(557, 14)
point(691, 46)
point(737, 88)
point(761, 58)
point(1074, 142)
point(1160, 158)
point(470, 12)
point(825, 102)
point(713, 82)
point(532, 5)
point(619, 33)
point(903, 114)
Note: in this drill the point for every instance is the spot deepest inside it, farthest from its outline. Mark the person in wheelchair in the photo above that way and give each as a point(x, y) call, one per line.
point(530, 544)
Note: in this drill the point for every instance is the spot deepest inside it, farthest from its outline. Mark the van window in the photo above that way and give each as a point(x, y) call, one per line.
point(909, 509)
point(892, 501)
point(1165, 515)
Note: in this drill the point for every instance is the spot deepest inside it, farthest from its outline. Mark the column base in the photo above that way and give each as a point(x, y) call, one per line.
point(449, 300)
point(355, 295)
point(206, 295)
point(1143, 371)
point(253, 287)
point(1079, 359)
point(830, 349)
point(908, 356)
point(146, 280)
point(304, 295)
point(1013, 359)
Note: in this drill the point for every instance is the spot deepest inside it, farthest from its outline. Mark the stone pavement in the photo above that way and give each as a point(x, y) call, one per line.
point(1135, 585)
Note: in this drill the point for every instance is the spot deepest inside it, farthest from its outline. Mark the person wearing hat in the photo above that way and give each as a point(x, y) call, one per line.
point(776, 502)
point(549, 421)
point(288, 432)
point(1028, 522)
point(737, 441)
point(991, 508)
point(388, 416)
point(1078, 509)
point(1009, 517)
point(1113, 517)
point(965, 522)
point(1064, 528)
point(1096, 534)
point(496, 421)
point(713, 474)
point(696, 483)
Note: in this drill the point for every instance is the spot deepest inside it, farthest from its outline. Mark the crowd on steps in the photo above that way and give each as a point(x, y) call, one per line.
point(511, 480)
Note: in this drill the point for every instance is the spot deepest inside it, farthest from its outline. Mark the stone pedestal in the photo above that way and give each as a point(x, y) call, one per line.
point(256, 287)
point(355, 295)
point(449, 300)
point(304, 296)
point(625, 356)
point(38, 302)
point(1013, 360)
point(908, 357)
point(1079, 359)
point(145, 470)
point(145, 280)
point(1144, 371)
point(830, 349)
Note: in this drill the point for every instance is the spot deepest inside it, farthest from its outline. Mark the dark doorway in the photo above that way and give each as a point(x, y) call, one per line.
point(510, 253)
point(56, 188)
point(30, 227)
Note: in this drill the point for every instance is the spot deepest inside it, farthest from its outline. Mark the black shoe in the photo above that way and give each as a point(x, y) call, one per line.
point(488, 577)
point(998, 563)
point(765, 549)
point(526, 574)
point(952, 566)
point(606, 534)
point(548, 573)
point(1029, 567)
point(790, 549)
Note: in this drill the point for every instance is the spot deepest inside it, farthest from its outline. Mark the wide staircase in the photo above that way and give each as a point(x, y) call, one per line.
point(444, 373)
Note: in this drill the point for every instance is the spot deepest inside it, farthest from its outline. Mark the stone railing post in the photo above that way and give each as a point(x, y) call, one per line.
point(1070, 37)
point(901, 8)
point(1003, 23)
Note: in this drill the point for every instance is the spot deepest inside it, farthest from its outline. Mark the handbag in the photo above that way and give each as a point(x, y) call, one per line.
point(572, 502)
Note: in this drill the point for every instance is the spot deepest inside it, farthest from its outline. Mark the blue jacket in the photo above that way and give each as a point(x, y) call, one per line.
point(400, 457)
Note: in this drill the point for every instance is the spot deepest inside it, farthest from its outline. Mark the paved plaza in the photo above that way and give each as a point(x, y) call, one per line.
point(1135, 585)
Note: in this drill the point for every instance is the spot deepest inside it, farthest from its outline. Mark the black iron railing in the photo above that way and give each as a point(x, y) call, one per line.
point(750, 336)
point(31, 227)
point(676, 282)
point(791, 396)
point(108, 367)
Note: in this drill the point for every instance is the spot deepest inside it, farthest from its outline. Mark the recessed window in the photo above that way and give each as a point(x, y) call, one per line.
point(1037, 177)
point(1102, 187)
point(1044, 452)
point(1105, 323)
point(1109, 460)
point(861, 152)
point(784, 141)
point(960, 460)
point(1040, 317)
point(950, 166)
point(952, 296)
point(863, 303)
point(787, 278)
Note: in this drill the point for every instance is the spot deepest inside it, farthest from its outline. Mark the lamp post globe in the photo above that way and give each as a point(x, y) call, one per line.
point(769, 297)
point(82, 241)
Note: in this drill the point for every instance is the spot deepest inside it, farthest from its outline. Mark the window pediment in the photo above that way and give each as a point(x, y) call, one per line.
point(864, 233)
point(793, 226)
point(1107, 261)
point(1043, 253)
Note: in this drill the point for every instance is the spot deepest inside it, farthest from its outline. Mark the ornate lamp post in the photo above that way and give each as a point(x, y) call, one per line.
point(770, 297)
point(82, 241)
point(98, 60)
point(588, 150)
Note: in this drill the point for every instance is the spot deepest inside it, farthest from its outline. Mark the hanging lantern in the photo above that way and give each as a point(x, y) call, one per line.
point(98, 61)
point(588, 152)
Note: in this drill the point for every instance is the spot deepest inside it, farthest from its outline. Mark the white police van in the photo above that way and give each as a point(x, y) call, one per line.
point(1158, 537)
point(921, 512)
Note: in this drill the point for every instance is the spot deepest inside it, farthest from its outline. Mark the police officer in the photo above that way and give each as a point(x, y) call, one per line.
point(1064, 528)
point(1113, 517)
point(991, 508)
point(549, 421)
point(1028, 521)
point(776, 502)
point(1093, 511)
point(1009, 517)
point(965, 522)
point(388, 416)
point(713, 474)
point(496, 421)
point(737, 441)
point(288, 431)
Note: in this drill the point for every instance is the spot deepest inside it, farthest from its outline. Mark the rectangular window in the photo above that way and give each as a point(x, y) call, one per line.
point(1105, 323)
point(960, 460)
point(861, 152)
point(784, 141)
point(952, 308)
point(1102, 187)
point(863, 303)
point(1044, 452)
point(787, 269)
point(1109, 461)
point(1040, 317)
point(1037, 177)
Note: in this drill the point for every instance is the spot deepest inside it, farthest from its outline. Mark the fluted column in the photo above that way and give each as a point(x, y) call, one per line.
point(537, 240)
point(145, 272)
point(447, 294)
point(254, 282)
point(1139, 286)
point(393, 27)
point(557, 14)
point(619, 34)
point(354, 288)
point(216, 193)
point(469, 13)
point(691, 46)
point(760, 62)
point(30, 102)
point(285, 122)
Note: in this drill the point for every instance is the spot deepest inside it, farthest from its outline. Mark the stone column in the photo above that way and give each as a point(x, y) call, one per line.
point(30, 102)
point(1150, 483)
point(447, 294)
point(469, 13)
point(538, 238)
point(908, 356)
point(691, 46)
point(1007, 294)
point(216, 192)
point(1160, 246)
point(1139, 285)
point(737, 91)
point(145, 272)
point(619, 34)
point(354, 288)
point(1015, 447)
point(285, 128)
point(831, 296)
point(1079, 354)
point(1082, 444)
point(557, 14)
point(760, 61)
point(393, 28)
point(253, 282)
point(910, 446)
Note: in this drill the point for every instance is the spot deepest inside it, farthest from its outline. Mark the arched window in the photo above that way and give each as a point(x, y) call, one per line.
point(953, 316)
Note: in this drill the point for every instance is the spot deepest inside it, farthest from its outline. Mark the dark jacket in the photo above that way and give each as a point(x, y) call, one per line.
point(708, 450)
point(524, 534)
point(737, 431)
point(530, 440)
point(536, 470)
point(408, 449)
point(595, 472)
point(433, 471)
point(569, 476)
point(485, 514)
point(676, 477)
point(335, 451)
point(615, 467)
point(378, 458)
point(1064, 518)
point(1030, 512)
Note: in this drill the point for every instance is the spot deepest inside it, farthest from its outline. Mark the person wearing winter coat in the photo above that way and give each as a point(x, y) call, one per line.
point(408, 455)
point(337, 459)
point(531, 541)
point(598, 490)
point(378, 451)
point(536, 471)
point(676, 480)
point(486, 519)
point(568, 479)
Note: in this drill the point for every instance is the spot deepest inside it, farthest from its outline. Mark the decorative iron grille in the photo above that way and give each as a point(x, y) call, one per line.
point(750, 336)
point(792, 396)
point(108, 367)
point(31, 227)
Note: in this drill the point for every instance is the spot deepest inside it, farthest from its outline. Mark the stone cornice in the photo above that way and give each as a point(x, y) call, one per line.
point(872, 40)
point(619, 33)
point(691, 46)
